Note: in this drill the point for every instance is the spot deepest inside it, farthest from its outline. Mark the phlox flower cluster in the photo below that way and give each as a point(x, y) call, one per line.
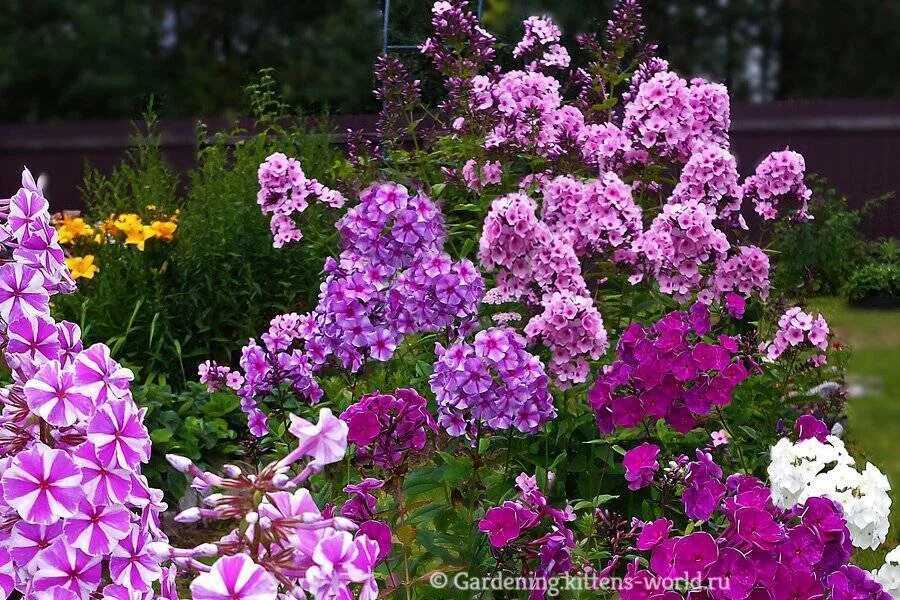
point(434, 294)
point(596, 216)
point(284, 192)
point(779, 178)
point(530, 259)
point(572, 328)
point(603, 146)
point(531, 531)
point(888, 575)
point(678, 243)
point(672, 118)
point(710, 176)
point(764, 551)
point(476, 178)
point(492, 383)
point(744, 272)
point(798, 329)
point(540, 44)
point(388, 428)
point(78, 515)
point(810, 467)
point(527, 111)
point(390, 280)
point(389, 230)
point(283, 542)
point(539, 265)
point(669, 370)
point(455, 27)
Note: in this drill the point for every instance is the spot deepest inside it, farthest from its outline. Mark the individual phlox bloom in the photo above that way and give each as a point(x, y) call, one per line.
point(43, 485)
point(117, 432)
point(50, 395)
point(234, 578)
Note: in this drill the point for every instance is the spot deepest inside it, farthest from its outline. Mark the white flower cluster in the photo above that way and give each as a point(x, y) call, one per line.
point(889, 573)
point(811, 468)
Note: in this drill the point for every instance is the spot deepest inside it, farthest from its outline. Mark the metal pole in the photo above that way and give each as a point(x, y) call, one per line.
point(384, 31)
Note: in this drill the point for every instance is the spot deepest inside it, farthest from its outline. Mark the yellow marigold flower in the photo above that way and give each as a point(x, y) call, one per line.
point(137, 235)
point(164, 229)
point(82, 266)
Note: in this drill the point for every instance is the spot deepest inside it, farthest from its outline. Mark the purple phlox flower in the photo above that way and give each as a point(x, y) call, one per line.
point(64, 566)
point(641, 465)
point(118, 434)
point(95, 529)
point(103, 482)
point(99, 376)
point(52, 395)
point(27, 542)
point(235, 578)
point(131, 564)
point(43, 485)
point(22, 292)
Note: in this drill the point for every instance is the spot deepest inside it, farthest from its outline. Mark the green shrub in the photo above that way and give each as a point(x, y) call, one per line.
point(818, 256)
point(168, 308)
point(875, 284)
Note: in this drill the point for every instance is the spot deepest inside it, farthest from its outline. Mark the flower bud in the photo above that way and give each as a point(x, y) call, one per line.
point(231, 471)
point(205, 550)
point(252, 517)
point(191, 515)
point(159, 550)
point(182, 464)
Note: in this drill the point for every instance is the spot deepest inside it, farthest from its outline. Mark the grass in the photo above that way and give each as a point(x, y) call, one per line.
point(873, 429)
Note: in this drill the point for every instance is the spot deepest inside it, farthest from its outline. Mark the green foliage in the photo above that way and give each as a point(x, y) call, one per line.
point(875, 284)
point(143, 178)
point(207, 428)
point(817, 256)
point(172, 306)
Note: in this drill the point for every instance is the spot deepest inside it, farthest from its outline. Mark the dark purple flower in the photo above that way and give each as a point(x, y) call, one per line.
point(808, 426)
point(640, 465)
point(694, 554)
point(653, 533)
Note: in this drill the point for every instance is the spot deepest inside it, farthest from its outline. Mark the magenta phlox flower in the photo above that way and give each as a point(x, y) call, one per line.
point(67, 567)
point(387, 428)
point(42, 484)
point(118, 434)
point(234, 578)
point(22, 292)
point(95, 529)
point(100, 377)
point(641, 465)
point(51, 394)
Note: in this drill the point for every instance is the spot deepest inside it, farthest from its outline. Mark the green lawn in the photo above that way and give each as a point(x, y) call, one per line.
point(873, 431)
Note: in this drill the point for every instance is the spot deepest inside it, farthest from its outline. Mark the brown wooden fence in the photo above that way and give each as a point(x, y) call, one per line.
point(855, 143)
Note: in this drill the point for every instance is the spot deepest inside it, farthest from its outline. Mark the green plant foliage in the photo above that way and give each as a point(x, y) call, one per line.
point(876, 284)
point(205, 427)
point(172, 306)
point(817, 256)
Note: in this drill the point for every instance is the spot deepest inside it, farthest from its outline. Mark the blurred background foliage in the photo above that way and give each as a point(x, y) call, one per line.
point(105, 58)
